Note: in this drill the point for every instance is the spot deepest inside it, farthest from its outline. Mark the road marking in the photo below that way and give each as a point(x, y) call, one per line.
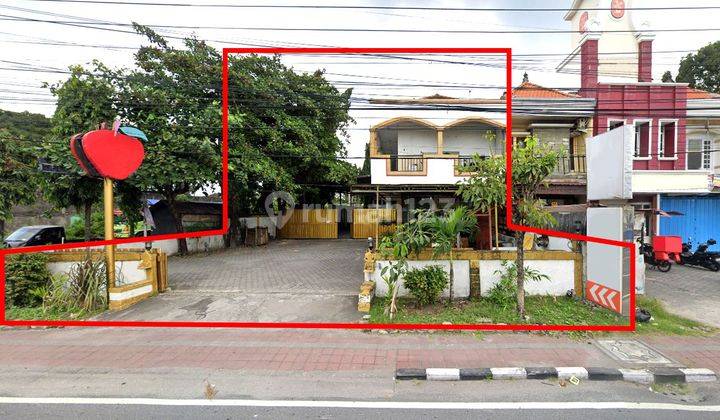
point(571, 405)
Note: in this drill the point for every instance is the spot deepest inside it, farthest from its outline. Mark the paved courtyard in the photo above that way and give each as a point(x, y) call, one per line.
point(302, 266)
point(687, 291)
point(285, 281)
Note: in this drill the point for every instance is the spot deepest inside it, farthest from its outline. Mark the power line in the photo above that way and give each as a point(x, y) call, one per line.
point(368, 7)
point(381, 30)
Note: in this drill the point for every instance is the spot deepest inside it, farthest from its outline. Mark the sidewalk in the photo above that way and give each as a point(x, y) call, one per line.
point(313, 350)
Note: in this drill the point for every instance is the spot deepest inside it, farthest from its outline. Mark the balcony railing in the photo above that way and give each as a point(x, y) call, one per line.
point(407, 164)
point(571, 164)
point(462, 164)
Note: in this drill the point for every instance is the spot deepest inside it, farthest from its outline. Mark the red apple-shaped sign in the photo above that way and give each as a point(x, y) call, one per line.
point(108, 154)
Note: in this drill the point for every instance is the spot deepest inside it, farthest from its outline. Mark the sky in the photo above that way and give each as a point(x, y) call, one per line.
point(24, 49)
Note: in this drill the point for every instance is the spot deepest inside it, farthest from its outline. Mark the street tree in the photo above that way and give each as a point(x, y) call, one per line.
point(701, 70)
point(18, 174)
point(292, 134)
point(169, 97)
point(84, 101)
point(532, 163)
point(20, 137)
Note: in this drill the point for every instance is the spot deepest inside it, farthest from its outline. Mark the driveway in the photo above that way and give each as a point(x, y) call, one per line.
point(285, 281)
point(687, 291)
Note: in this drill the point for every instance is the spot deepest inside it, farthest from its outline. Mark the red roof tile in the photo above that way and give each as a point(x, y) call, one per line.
point(701, 94)
point(531, 90)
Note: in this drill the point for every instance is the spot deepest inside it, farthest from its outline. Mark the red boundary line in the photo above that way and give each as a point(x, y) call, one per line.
point(314, 325)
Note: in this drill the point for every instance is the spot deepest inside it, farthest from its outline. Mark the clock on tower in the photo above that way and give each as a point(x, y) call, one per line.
point(617, 8)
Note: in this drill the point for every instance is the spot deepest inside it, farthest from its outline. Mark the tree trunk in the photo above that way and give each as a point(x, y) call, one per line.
point(452, 279)
point(233, 234)
point(177, 217)
point(520, 264)
point(88, 221)
point(2, 229)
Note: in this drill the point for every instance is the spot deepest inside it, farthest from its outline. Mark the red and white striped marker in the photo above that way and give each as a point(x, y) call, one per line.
point(603, 296)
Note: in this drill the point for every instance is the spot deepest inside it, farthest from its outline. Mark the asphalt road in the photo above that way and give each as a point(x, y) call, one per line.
point(102, 411)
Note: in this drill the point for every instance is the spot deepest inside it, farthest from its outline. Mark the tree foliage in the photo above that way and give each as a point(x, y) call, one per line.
point(701, 70)
point(20, 135)
point(532, 163)
point(287, 129)
point(84, 101)
point(667, 77)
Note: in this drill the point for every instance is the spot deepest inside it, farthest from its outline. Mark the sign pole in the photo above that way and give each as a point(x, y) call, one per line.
point(109, 234)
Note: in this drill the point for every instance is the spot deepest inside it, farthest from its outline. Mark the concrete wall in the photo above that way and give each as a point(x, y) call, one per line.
point(561, 275)
point(170, 246)
point(467, 140)
point(415, 142)
point(461, 283)
point(128, 271)
point(671, 181)
point(439, 171)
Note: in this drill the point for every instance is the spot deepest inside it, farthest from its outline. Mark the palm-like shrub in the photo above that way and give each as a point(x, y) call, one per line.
point(446, 231)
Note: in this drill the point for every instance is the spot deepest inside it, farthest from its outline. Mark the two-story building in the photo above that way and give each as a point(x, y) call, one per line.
point(674, 159)
point(677, 136)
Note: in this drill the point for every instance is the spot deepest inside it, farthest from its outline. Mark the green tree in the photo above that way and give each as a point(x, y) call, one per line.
point(170, 96)
point(288, 133)
point(84, 101)
point(365, 170)
point(25, 125)
point(446, 230)
point(18, 174)
point(485, 189)
point(667, 77)
point(20, 134)
point(701, 70)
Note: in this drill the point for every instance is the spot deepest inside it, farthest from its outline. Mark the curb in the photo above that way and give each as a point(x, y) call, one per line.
point(661, 375)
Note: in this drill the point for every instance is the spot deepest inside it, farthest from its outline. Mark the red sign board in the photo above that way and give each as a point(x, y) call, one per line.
point(603, 296)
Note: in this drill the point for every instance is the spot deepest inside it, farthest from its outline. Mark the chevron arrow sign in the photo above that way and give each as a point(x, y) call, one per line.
point(603, 296)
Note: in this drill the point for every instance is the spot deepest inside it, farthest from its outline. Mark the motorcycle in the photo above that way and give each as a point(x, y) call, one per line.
point(701, 257)
point(648, 253)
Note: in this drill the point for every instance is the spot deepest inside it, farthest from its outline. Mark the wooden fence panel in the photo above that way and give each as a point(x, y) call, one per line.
point(364, 222)
point(310, 224)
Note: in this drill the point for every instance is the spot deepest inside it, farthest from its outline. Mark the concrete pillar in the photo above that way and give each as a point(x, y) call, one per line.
point(644, 57)
point(589, 65)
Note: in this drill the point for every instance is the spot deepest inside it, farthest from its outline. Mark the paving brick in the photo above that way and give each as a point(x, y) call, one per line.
point(688, 291)
point(331, 266)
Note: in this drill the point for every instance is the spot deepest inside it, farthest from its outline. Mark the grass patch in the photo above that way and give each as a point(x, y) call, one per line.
point(665, 323)
point(542, 310)
point(49, 314)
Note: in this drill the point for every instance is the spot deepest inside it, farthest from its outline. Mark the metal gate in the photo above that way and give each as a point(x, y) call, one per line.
point(310, 224)
point(366, 220)
point(701, 218)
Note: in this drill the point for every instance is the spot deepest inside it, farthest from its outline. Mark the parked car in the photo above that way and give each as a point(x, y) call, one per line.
point(35, 235)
